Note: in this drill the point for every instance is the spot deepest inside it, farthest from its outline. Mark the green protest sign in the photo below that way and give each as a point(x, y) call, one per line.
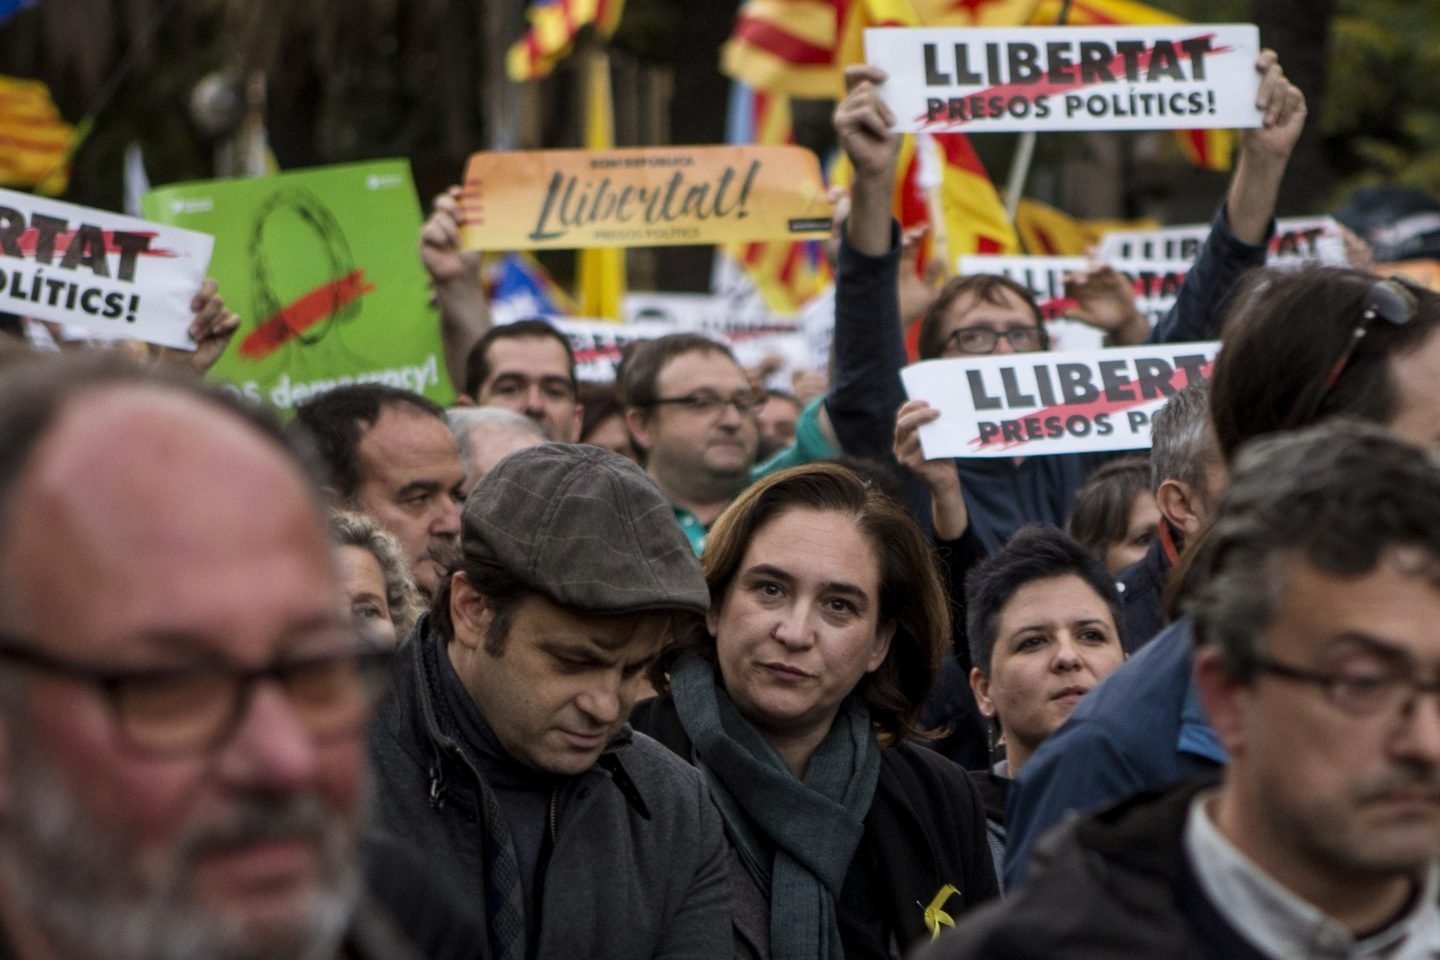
point(321, 266)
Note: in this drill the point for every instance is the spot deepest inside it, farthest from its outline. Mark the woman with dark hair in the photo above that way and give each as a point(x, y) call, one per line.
point(1115, 516)
point(827, 624)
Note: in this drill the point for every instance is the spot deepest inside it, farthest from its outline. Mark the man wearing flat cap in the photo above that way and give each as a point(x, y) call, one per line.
point(503, 752)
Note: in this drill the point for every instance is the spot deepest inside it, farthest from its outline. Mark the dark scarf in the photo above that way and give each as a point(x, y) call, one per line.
point(796, 837)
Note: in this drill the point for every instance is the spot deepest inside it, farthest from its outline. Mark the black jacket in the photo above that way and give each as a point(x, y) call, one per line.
point(636, 865)
point(1143, 595)
point(925, 828)
point(1114, 885)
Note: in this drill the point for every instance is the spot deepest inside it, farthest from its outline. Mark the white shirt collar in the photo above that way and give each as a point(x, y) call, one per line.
point(1282, 925)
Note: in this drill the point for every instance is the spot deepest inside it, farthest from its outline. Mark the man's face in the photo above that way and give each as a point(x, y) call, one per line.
point(411, 484)
point(563, 683)
point(778, 420)
point(1314, 791)
point(198, 546)
point(969, 317)
point(699, 450)
point(531, 375)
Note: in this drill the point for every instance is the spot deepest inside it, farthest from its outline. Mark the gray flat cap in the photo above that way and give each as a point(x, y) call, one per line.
point(586, 528)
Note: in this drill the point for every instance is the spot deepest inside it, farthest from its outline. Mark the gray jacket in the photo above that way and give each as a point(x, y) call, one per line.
point(637, 865)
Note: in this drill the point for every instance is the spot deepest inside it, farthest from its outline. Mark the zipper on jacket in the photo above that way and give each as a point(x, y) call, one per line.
point(554, 814)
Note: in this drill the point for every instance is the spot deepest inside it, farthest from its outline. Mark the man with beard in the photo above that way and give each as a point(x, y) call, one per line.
point(182, 698)
point(1317, 593)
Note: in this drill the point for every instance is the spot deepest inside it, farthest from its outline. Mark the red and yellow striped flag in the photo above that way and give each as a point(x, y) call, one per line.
point(975, 220)
point(973, 13)
point(1048, 232)
point(554, 25)
point(34, 141)
point(1209, 149)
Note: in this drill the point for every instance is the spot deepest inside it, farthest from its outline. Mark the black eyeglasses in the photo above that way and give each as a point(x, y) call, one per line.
point(1369, 694)
point(706, 404)
point(985, 339)
point(1388, 300)
point(178, 711)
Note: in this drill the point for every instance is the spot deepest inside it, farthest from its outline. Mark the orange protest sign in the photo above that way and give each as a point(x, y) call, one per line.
point(652, 196)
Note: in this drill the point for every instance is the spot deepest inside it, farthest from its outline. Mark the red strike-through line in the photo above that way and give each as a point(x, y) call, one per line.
point(302, 314)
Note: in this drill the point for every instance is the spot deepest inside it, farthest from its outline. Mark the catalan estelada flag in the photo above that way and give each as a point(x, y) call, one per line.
point(1209, 149)
point(554, 25)
point(975, 220)
point(35, 141)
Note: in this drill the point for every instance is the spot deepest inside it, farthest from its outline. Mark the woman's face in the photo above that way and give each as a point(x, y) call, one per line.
point(1056, 639)
point(799, 626)
point(364, 584)
point(1141, 528)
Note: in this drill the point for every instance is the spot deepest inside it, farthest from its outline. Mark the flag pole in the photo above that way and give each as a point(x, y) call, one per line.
point(1025, 150)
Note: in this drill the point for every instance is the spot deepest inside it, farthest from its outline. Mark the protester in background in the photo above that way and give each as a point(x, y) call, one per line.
point(528, 367)
point(1115, 516)
point(1300, 345)
point(183, 696)
point(1315, 616)
point(487, 435)
point(778, 418)
point(827, 623)
point(1188, 477)
point(990, 314)
point(1044, 630)
point(604, 421)
point(503, 754)
point(383, 600)
point(388, 453)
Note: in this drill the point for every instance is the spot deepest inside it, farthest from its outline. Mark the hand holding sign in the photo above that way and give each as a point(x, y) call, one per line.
point(941, 478)
point(863, 122)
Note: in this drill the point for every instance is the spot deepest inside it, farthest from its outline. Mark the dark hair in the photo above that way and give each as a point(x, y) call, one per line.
point(337, 420)
point(36, 389)
point(1035, 552)
point(477, 361)
point(1337, 497)
point(986, 287)
point(1101, 515)
point(503, 592)
point(1284, 333)
point(640, 370)
point(912, 596)
point(600, 402)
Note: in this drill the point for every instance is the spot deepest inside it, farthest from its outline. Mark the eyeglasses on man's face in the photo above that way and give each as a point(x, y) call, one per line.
point(1370, 692)
point(985, 339)
point(183, 711)
point(706, 403)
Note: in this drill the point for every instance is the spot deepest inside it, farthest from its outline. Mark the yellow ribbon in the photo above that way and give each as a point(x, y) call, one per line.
point(935, 918)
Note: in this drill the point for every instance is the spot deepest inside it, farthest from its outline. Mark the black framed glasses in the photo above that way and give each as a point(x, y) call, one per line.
point(1388, 300)
point(704, 403)
point(1369, 694)
point(181, 711)
point(986, 339)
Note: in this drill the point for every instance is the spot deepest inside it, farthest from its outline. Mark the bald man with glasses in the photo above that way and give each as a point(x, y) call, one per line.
point(182, 697)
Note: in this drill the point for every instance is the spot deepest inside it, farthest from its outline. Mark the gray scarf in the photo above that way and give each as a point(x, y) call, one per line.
point(801, 835)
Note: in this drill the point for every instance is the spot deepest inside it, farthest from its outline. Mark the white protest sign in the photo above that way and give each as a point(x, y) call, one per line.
point(1155, 285)
point(1033, 404)
point(598, 345)
point(1297, 240)
point(755, 336)
point(998, 80)
point(111, 274)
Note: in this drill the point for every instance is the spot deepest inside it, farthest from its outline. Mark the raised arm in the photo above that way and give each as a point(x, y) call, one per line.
point(455, 279)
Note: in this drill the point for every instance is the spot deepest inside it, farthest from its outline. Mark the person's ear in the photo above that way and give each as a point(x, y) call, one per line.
point(637, 421)
point(1180, 505)
point(1223, 698)
point(980, 685)
point(470, 613)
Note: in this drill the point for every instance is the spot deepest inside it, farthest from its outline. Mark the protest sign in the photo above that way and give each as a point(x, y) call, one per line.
point(598, 345)
point(1297, 240)
point(755, 336)
point(1032, 404)
point(320, 265)
point(1182, 76)
point(652, 196)
point(110, 274)
point(1154, 283)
